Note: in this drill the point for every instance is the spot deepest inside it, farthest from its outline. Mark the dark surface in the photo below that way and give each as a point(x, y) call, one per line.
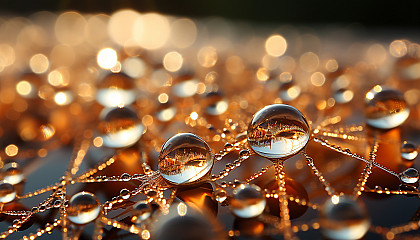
point(368, 13)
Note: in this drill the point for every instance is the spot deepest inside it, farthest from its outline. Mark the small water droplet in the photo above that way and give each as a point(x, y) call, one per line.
point(220, 195)
point(215, 104)
point(125, 194)
point(141, 211)
point(247, 201)
point(343, 218)
point(12, 173)
point(7, 192)
point(185, 158)
point(120, 127)
point(83, 208)
point(409, 151)
point(385, 108)
point(411, 175)
point(278, 131)
point(125, 177)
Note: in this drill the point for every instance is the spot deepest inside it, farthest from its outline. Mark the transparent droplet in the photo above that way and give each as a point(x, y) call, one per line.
point(83, 208)
point(141, 211)
point(289, 91)
point(120, 127)
point(125, 194)
point(215, 104)
point(7, 192)
point(220, 195)
point(247, 201)
point(186, 87)
point(116, 89)
point(185, 158)
point(278, 131)
point(343, 95)
point(11, 173)
point(385, 108)
point(411, 175)
point(341, 217)
point(409, 151)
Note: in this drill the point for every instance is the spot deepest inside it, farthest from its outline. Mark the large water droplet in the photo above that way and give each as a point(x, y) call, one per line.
point(278, 131)
point(120, 127)
point(83, 208)
point(411, 175)
point(409, 151)
point(247, 201)
point(385, 108)
point(116, 89)
point(220, 195)
point(11, 173)
point(7, 192)
point(141, 211)
point(185, 158)
point(343, 218)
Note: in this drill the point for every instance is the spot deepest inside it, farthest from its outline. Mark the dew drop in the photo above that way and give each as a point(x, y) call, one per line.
point(11, 173)
point(247, 201)
point(116, 89)
point(343, 218)
point(289, 91)
point(409, 151)
point(141, 211)
point(83, 208)
point(411, 175)
point(185, 158)
point(278, 131)
point(220, 195)
point(7, 192)
point(125, 194)
point(385, 108)
point(120, 127)
point(125, 177)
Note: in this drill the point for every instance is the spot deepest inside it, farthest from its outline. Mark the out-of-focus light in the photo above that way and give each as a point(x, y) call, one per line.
point(183, 33)
point(331, 65)
point(121, 24)
point(182, 209)
point(207, 56)
point(134, 67)
point(11, 150)
point(309, 62)
point(63, 98)
point(173, 61)
point(235, 65)
point(163, 98)
point(39, 63)
point(107, 58)
point(376, 54)
point(317, 79)
point(7, 55)
point(398, 48)
point(70, 28)
point(24, 88)
point(151, 31)
point(275, 45)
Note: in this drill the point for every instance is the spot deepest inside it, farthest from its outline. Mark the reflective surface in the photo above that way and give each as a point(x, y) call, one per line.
point(385, 108)
point(141, 211)
point(409, 151)
point(278, 131)
point(343, 218)
point(410, 175)
point(11, 173)
point(7, 192)
point(185, 158)
point(116, 89)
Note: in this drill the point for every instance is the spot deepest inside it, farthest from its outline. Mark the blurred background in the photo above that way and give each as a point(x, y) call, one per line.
point(382, 14)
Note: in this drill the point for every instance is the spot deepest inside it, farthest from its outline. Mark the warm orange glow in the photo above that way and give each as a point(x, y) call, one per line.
point(11, 150)
point(276, 45)
point(121, 24)
point(183, 33)
point(173, 61)
point(151, 31)
point(107, 58)
point(207, 56)
point(39, 63)
point(309, 62)
point(70, 28)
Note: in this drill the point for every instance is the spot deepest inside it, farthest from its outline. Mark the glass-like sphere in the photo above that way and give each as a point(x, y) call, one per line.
point(385, 108)
point(116, 89)
point(141, 211)
point(247, 201)
point(410, 175)
point(83, 208)
point(185, 158)
point(120, 127)
point(409, 151)
point(220, 195)
point(11, 173)
point(278, 131)
point(343, 218)
point(7, 192)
